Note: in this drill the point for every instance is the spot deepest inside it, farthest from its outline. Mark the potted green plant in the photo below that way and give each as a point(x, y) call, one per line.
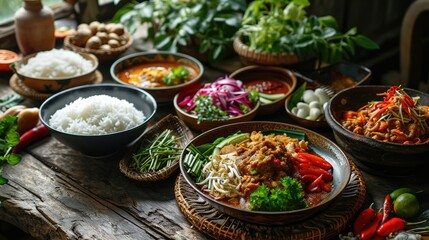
point(209, 25)
point(279, 32)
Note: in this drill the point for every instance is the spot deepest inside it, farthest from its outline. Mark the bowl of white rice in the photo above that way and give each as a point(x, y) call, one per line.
point(98, 120)
point(55, 70)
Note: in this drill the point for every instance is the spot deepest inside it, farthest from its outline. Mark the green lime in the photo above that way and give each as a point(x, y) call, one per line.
point(395, 194)
point(406, 206)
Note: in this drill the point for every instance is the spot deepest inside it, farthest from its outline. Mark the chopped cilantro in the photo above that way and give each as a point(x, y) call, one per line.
point(177, 76)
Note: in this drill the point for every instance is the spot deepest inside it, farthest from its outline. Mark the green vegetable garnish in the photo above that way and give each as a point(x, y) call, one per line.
point(9, 138)
point(207, 111)
point(289, 196)
point(157, 153)
point(177, 76)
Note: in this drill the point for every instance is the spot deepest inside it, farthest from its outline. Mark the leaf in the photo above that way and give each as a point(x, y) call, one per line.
point(3, 180)
point(328, 21)
point(204, 46)
point(162, 41)
point(302, 3)
point(13, 159)
point(365, 42)
point(216, 53)
point(297, 96)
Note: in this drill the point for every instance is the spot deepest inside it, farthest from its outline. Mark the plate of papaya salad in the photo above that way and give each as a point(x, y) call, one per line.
point(265, 172)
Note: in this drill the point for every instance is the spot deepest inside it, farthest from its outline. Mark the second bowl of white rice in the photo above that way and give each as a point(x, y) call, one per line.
point(55, 70)
point(98, 120)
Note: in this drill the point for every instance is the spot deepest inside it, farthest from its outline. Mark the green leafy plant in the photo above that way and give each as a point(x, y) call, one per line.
point(289, 196)
point(283, 26)
point(171, 23)
point(9, 137)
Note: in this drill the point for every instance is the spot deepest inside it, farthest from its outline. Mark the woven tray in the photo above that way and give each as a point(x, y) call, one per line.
point(179, 129)
point(324, 225)
point(19, 87)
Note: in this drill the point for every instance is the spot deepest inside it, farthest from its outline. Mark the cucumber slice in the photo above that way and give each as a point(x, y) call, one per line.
point(234, 139)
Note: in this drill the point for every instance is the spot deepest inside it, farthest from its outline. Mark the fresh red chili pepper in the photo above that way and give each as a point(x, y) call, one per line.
point(363, 219)
point(30, 137)
point(316, 189)
point(387, 209)
point(308, 178)
point(305, 168)
point(394, 225)
point(369, 230)
point(324, 186)
point(315, 160)
point(315, 183)
point(276, 162)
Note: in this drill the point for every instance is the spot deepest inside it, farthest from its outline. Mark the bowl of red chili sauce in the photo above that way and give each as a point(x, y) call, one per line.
point(273, 84)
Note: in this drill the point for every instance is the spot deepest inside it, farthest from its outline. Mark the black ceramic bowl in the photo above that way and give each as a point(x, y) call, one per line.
point(106, 144)
point(370, 154)
point(321, 145)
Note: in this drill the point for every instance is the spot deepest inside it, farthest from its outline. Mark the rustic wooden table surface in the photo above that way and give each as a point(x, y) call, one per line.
point(57, 193)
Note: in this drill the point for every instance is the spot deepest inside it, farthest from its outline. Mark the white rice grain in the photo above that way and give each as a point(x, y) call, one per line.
point(56, 63)
point(96, 115)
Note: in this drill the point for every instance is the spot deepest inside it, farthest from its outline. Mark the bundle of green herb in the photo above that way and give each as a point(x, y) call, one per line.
point(9, 137)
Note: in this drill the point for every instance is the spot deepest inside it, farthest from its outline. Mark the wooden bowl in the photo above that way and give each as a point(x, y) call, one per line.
point(204, 125)
point(161, 94)
point(54, 85)
point(277, 75)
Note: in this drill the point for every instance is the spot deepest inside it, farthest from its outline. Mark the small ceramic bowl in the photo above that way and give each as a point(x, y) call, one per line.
point(274, 79)
point(161, 94)
point(376, 156)
point(6, 58)
point(204, 125)
point(105, 144)
point(54, 85)
point(291, 102)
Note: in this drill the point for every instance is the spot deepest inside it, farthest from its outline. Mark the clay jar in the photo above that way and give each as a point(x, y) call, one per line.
point(34, 27)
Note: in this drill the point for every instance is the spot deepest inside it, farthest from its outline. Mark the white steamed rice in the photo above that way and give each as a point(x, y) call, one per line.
point(96, 115)
point(56, 63)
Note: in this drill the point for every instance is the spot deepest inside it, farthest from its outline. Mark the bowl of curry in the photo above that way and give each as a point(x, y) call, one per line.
point(385, 130)
point(267, 173)
point(162, 74)
point(273, 84)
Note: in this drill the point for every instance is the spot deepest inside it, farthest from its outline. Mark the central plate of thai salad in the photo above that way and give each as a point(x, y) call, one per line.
point(265, 172)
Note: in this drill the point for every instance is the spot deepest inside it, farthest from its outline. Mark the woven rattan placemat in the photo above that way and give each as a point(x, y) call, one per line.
point(19, 87)
point(324, 225)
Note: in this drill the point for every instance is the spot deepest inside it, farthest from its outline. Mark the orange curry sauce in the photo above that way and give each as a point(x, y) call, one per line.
point(149, 75)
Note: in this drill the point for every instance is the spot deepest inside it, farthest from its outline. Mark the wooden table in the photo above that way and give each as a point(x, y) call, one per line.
point(57, 193)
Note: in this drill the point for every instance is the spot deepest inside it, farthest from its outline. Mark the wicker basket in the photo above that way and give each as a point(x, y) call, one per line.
point(179, 129)
point(102, 55)
point(251, 56)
